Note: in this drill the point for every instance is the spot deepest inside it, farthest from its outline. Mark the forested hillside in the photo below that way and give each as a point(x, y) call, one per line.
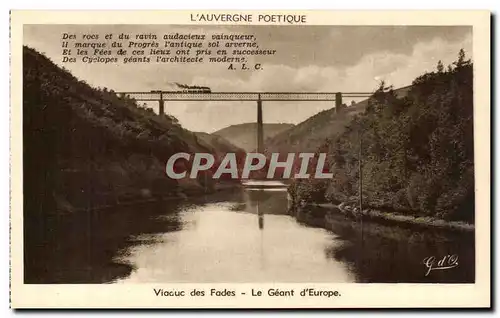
point(85, 147)
point(311, 133)
point(417, 151)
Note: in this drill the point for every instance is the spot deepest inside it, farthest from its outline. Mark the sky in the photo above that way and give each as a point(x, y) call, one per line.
point(307, 59)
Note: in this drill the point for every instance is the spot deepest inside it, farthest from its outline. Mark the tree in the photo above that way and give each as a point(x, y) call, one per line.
point(440, 67)
point(461, 59)
point(418, 150)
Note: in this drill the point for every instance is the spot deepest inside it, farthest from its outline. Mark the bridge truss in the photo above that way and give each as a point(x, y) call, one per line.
point(162, 96)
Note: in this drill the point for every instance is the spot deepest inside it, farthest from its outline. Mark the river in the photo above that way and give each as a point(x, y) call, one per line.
point(245, 235)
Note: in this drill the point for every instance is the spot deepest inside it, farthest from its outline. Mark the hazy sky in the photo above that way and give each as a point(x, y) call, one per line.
point(308, 58)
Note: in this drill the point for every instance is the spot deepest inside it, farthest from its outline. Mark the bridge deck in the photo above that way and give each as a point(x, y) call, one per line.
point(240, 96)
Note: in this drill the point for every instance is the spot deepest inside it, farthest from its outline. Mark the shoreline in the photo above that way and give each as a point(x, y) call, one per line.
point(179, 196)
point(396, 218)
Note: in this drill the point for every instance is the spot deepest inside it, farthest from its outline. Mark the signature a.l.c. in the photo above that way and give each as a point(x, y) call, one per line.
point(446, 262)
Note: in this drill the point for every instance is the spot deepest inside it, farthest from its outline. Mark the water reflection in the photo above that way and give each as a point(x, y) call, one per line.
point(383, 253)
point(80, 247)
point(252, 240)
point(247, 235)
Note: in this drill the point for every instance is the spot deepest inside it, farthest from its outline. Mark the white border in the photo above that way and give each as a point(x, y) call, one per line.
point(351, 4)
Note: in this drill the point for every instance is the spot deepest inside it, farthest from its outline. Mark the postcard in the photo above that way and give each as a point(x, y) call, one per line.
point(250, 159)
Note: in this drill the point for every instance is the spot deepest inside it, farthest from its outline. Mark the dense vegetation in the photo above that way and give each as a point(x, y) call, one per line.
point(310, 134)
point(417, 151)
point(86, 147)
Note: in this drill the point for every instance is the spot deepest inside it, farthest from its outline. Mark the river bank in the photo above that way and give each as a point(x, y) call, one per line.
point(396, 218)
point(145, 197)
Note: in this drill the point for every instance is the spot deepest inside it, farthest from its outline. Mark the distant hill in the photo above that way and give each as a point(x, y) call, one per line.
point(311, 133)
point(245, 135)
point(217, 144)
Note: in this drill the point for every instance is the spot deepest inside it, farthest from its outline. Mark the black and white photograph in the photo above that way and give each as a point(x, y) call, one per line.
point(227, 152)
